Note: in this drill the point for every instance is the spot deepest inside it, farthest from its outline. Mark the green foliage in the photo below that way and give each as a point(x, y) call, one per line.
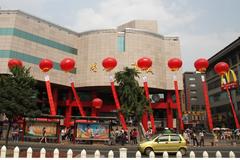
point(17, 94)
point(133, 101)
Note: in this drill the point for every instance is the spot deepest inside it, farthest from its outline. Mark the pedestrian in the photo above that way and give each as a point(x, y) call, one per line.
point(112, 140)
point(201, 134)
point(44, 139)
point(149, 134)
point(135, 136)
point(185, 136)
point(131, 137)
point(194, 138)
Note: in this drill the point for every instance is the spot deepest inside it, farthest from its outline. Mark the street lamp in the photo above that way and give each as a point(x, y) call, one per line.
point(222, 69)
point(144, 64)
point(46, 65)
point(110, 63)
point(175, 64)
point(201, 66)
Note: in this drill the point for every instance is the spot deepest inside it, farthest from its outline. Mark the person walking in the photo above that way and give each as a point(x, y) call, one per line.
point(135, 136)
point(201, 134)
point(194, 138)
point(43, 135)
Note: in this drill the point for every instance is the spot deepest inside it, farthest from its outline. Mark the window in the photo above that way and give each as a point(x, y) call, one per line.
point(192, 79)
point(175, 138)
point(37, 39)
point(163, 139)
point(193, 92)
point(192, 85)
point(121, 43)
point(193, 99)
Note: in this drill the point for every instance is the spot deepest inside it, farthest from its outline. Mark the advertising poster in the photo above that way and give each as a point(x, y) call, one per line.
point(36, 129)
point(92, 131)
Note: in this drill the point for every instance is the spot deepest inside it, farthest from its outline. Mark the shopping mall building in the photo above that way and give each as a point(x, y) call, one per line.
point(31, 39)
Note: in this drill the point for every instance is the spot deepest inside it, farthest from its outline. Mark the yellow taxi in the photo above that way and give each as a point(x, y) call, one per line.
point(164, 142)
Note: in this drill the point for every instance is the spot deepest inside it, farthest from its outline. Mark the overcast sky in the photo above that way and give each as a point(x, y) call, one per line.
point(204, 26)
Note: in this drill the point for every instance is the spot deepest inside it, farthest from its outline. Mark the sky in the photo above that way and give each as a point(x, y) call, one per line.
point(203, 26)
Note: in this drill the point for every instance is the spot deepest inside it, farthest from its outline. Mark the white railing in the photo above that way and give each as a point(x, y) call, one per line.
point(97, 154)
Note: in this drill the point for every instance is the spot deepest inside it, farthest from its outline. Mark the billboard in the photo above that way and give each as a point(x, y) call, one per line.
point(92, 131)
point(34, 128)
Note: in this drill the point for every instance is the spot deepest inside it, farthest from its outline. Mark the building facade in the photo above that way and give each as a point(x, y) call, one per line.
point(194, 114)
point(220, 105)
point(31, 39)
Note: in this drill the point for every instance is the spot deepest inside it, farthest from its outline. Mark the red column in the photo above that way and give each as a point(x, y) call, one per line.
point(68, 112)
point(169, 110)
point(208, 110)
point(151, 115)
point(181, 127)
point(232, 107)
point(80, 107)
point(50, 96)
point(55, 98)
point(121, 117)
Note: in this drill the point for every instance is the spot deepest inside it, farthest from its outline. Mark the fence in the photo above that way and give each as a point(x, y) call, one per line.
point(122, 151)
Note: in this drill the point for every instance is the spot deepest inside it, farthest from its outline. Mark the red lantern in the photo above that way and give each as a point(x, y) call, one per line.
point(67, 64)
point(97, 103)
point(45, 65)
point(109, 63)
point(174, 64)
point(14, 63)
point(201, 64)
point(144, 63)
point(221, 68)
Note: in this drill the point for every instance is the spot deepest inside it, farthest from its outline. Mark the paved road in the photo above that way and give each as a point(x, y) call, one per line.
point(224, 148)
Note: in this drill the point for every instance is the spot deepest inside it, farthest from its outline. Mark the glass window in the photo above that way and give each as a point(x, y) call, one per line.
point(175, 138)
point(234, 60)
point(37, 39)
point(193, 92)
point(192, 85)
point(163, 138)
point(193, 99)
point(192, 79)
point(121, 43)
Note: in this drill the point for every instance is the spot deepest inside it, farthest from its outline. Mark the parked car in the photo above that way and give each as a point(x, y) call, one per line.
point(164, 142)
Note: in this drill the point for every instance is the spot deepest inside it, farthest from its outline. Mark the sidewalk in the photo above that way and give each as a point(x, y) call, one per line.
point(66, 144)
point(208, 142)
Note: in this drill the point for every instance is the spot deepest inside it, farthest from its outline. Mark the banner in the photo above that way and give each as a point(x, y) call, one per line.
point(92, 131)
point(35, 129)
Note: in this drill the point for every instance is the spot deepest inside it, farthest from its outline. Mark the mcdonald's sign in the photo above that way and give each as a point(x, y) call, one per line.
point(229, 80)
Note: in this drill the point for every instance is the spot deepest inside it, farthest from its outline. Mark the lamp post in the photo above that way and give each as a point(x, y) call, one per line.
point(222, 69)
point(67, 64)
point(201, 66)
point(144, 64)
point(46, 65)
point(110, 63)
point(175, 64)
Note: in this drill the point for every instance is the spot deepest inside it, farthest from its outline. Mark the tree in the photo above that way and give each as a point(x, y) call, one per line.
point(17, 95)
point(133, 101)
